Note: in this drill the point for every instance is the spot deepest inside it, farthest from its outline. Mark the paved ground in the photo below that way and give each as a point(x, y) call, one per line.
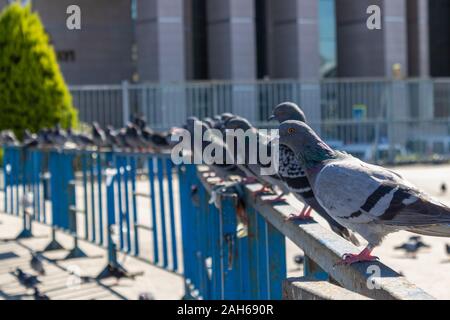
point(430, 270)
point(60, 282)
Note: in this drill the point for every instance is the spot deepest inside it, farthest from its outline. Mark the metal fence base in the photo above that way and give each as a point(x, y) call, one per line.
point(24, 234)
point(54, 244)
point(188, 292)
point(75, 253)
point(115, 270)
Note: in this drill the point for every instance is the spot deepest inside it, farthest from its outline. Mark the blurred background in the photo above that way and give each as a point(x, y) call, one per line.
point(380, 94)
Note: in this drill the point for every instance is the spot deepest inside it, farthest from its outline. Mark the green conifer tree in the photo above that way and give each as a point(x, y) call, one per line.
point(33, 93)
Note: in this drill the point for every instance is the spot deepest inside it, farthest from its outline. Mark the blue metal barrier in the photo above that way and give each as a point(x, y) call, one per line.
point(223, 241)
point(103, 189)
point(229, 253)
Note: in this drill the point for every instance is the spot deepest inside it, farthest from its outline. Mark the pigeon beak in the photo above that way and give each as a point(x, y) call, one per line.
point(272, 117)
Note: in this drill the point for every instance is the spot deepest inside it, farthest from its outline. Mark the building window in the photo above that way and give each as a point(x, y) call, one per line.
point(327, 38)
point(66, 55)
point(199, 40)
point(261, 38)
point(439, 32)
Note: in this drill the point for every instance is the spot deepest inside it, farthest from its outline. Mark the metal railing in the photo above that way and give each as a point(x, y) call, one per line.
point(376, 119)
point(224, 241)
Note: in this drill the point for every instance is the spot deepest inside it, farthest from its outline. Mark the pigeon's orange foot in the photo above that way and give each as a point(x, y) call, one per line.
point(304, 215)
point(261, 191)
point(280, 198)
point(249, 180)
point(363, 256)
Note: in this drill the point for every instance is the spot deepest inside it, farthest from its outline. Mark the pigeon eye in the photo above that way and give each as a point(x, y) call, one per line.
point(291, 130)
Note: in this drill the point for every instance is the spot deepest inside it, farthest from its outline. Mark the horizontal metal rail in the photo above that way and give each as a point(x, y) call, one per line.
point(305, 288)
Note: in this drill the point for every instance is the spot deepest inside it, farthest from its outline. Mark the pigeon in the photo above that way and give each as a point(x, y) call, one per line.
point(111, 137)
point(98, 135)
point(36, 264)
point(146, 296)
point(159, 140)
point(58, 136)
point(43, 138)
point(294, 176)
point(140, 122)
point(30, 140)
point(299, 259)
point(412, 246)
point(133, 137)
point(7, 137)
point(415, 238)
point(226, 115)
point(37, 295)
point(253, 170)
point(368, 199)
point(221, 166)
point(80, 140)
point(209, 122)
point(26, 279)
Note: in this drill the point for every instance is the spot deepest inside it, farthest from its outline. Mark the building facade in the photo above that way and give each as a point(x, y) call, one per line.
point(182, 40)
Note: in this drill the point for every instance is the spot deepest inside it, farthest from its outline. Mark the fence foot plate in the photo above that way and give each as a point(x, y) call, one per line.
point(75, 253)
point(116, 271)
point(53, 245)
point(24, 234)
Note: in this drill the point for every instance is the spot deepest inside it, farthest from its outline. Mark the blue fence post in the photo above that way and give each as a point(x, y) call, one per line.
point(162, 210)
point(133, 174)
point(263, 258)
point(72, 212)
point(120, 169)
point(126, 180)
point(169, 169)
point(202, 249)
point(186, 213)
point(229, 256)
point(100, 194)
point(53, 176)
point(113, 267)
point(151, 174)
point(6, 166)
point(277, 261)
point(216, 265)
point(253, 246)
point(24, 165)
point(85, 194)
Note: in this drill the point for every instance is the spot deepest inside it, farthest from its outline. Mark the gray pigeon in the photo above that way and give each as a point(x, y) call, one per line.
point(292, 173)
point(58, 136)
point(253, 170)
point(223, 169)
point(98, 135)
point(38, 295)
point(368, 199)
point(30, 140)
point(8, 137)
point(133, 137)
point(111, 137)
point(37, 264)
point(81, 140)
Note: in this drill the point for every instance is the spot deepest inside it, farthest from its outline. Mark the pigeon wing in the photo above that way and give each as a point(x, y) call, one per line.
point(368, 193)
